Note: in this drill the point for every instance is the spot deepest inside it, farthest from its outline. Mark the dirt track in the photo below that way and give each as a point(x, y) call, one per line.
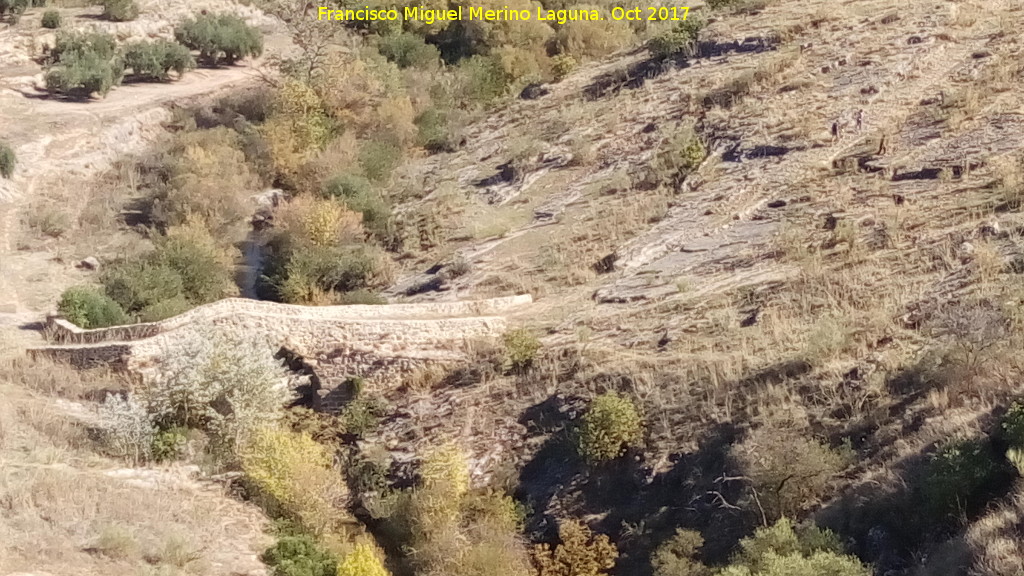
point(65, 145)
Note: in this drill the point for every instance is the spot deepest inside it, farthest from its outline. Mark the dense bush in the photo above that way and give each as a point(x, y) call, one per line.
point(81, 43)
point(361, 416)
point(202, 178)
point(521, 347)
point(8, 160)
point(139, 284)
point(681, 39)
point(363, 560)
point(483, 79)
point(359, 196)
point(316, 274)
point(455, 531)
point(84, 63)
point(677, 555)
point(779, 550)
point(227, 386)
point(80, 75)
point(958, 475)
point(170, 444)
point(435, 131)
point(679, 156)
point(300, 556)
point(87, 307)
point(127, 428)
point(185, 269)
point(379, 158)
point(120, 10)
point(220, 38)
point(579, 553)
point(408, 50)
point(205, 268)
point(153, 61)
point(318, 252)
point(773, 458)
point(610, 424)
point(293, 476)
point(51, 19)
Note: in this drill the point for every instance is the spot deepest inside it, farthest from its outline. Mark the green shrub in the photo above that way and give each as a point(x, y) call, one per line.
point(521, 347)
point(220, 38)
point(483, 79)
point(185, 269)
point(120, 10)
point(153, 61)
point(958, 474)
point(408, 50)
point(359, 196)
point(579, 553)
point(51, 19)
point(435, 131)
point(82, 75)
point(779, 550)
point(308, 274)
point(137, 284)
point(771, 458)
point(204, 268)
point(610, 424)
point(361, 296)
point(170, 444)
point(82, 43)
point(299, 556)
point(164, 309)
point(361, 416)
point(676, 556)
point(681, 39)
point(8, 160)
point(378, 159)
point(89, 308)
point(679, 156)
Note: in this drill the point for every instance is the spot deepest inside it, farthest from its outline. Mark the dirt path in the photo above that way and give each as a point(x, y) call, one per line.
point(63, 146)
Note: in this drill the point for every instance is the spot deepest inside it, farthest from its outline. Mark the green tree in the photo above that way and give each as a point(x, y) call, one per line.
point(220, 38)
point(610, 424)
point(153, 61)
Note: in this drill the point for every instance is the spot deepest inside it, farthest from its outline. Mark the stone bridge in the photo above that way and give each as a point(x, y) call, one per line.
point(377, 342)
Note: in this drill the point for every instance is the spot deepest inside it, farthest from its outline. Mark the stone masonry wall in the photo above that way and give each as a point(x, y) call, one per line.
point(379, 343)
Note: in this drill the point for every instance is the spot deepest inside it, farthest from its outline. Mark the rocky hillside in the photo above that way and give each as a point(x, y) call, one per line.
point(793, 246)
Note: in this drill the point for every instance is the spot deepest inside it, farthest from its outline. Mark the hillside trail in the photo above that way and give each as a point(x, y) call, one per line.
point(68, 144)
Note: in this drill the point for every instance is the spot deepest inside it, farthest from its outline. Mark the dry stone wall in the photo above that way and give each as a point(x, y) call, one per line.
point(379, 343)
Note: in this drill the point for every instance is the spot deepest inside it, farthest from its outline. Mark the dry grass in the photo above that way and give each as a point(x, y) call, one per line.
point(70, 510)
